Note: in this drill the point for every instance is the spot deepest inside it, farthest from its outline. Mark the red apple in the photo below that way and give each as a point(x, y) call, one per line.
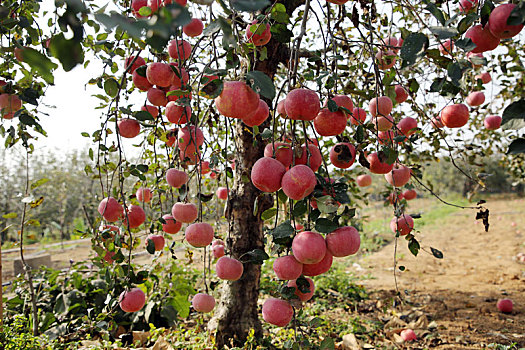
point(260, 115)
point(364, 180)
point(343, 242)
point(301, 156)
point(330, 123)
point(177, 114)
point(194, 28)
point(222, 193)
point(467, 5)
point(309, 247)
point(358, 116)
point(199, 234)
point(258, 33)
point(154, 111)
point(110, 209)
point(157, 97)
point(277, 312)
point(136, 5)
point(455, 116)
point(159, 74)
point(229, 269)
point(158, 241)
point(398, 176)
point(407, 126)
point(403, 224)
point(141, 82)
point(498, 22)
point(401, 94)
point(144, 195)
point(483, 38)
point(138, 62)
point(202, 302)
point(380, 105)
point(184, 212)
point(446, 47)
point(171, 226)
point(287, 268)
point(128, 128)
point(408, 335)
point(298, 182)
point(302, 104)
point(436, 122)
point(505, 305)
point(484, 77)
point(179, 49)
point(267, 174)
point(386, 59)
point(409, 194)
point(492, 122)
point(303, 296)
point(136, 216)
point(9, 105)
point(476, 98)
point(376, 165)
point(237, 100)
point(343, 101)
point(342, 155)
point(176, 178)
point(218, 251)
point(319, 268)
point(132, 300)
point(383, 123)
point(283, 152)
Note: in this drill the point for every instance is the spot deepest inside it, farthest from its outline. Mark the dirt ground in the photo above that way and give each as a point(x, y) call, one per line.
point(452, 301)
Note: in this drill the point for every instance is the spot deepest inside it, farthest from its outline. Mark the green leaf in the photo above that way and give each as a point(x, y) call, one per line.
point(261, 83)
point(359, 134)
point(145, 11)
point(205, 197)
point(211, 28)
point(514, 111)
point(466, 22)
point(437, 253)
point(413, 246)
point(517, 16)
point(212, 89)
point(10, 216)
point(327, 205)
point(282, 234)
point(467, 45)
point(267, 133)
point(41, 64)
point(39, 183)
point(27, 119)
point(487, 8)
point(150, 247)
point(249, 5)
point(143, 116)
point(228, 39)
point(443, 32)
point(281, 33)
point(257, 256)
point(332, 106)
point(111, 87)
point(299, 208)
point(434, 10)
point(517, 146)
point(413, 48)
point(324, 225)
point(327, 343)
point(269, 213)
point(182, 305)
point(279, 14)
point(68, 52)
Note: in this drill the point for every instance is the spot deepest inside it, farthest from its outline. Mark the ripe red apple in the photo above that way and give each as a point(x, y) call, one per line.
point(298, 182)
point(177, 114)
point(136, 5)
point(343, 242)
point(108, 257)
point(409, 194)
point(319, 268)
point(154, 5)
point(301, 156)
point(217, 242)
point(498, 22)
point(229, 269)
point(505, 305)
point(380, 106)
point(203, 302)
point(222, 193)
point(171, 226)
point(138, 62)
point(476, 98)
point(258, 33)
point(176, 178)
point(110, 209)
point(260, 115)
point(280, 109)
point(158, 241)
point(309, 247)
point(303, 296)
point(446, 47)
point(391, 43)
point(386, 137)
point(141, 82)
point(358, 116)
point(184, 212)
point(267, 174)
point(455, 116)
point(407, 126)
point(181, 76)
point(343, 101)
point(154, 111)
point(484, 77)
point(144, 195)
point(157, 97)
point(132, 300)
point(383, 123)
point(399, 175)
point(376, 165)
point(342, 155)
point(483, 38)
point(199, 234)
point(401, 94)
point(179, 49)
point(467, 5)
point(159, 74)
point(128, 128)
point(403, 224)
point(408, 335)
point(194, 28)
point(330, 123)
point(385, 59)
point(190, 137)
point(302, 104)
point(277, 312)
point(237, 100)
point(287, 267)
point(9, 104)
point(136, 216)
point(363, 180)
point(218, 251)
point(492, 122)
point(283, 152)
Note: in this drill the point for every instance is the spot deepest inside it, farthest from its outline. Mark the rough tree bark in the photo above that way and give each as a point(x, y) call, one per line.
point(237, 312)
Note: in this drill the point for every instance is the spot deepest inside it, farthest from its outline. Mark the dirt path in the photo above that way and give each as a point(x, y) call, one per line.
point(460, 291)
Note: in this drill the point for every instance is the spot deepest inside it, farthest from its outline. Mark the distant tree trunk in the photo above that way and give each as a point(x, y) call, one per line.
point(237, 313)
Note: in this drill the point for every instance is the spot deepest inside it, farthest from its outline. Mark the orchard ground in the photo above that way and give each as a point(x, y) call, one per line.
point(450, 303)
